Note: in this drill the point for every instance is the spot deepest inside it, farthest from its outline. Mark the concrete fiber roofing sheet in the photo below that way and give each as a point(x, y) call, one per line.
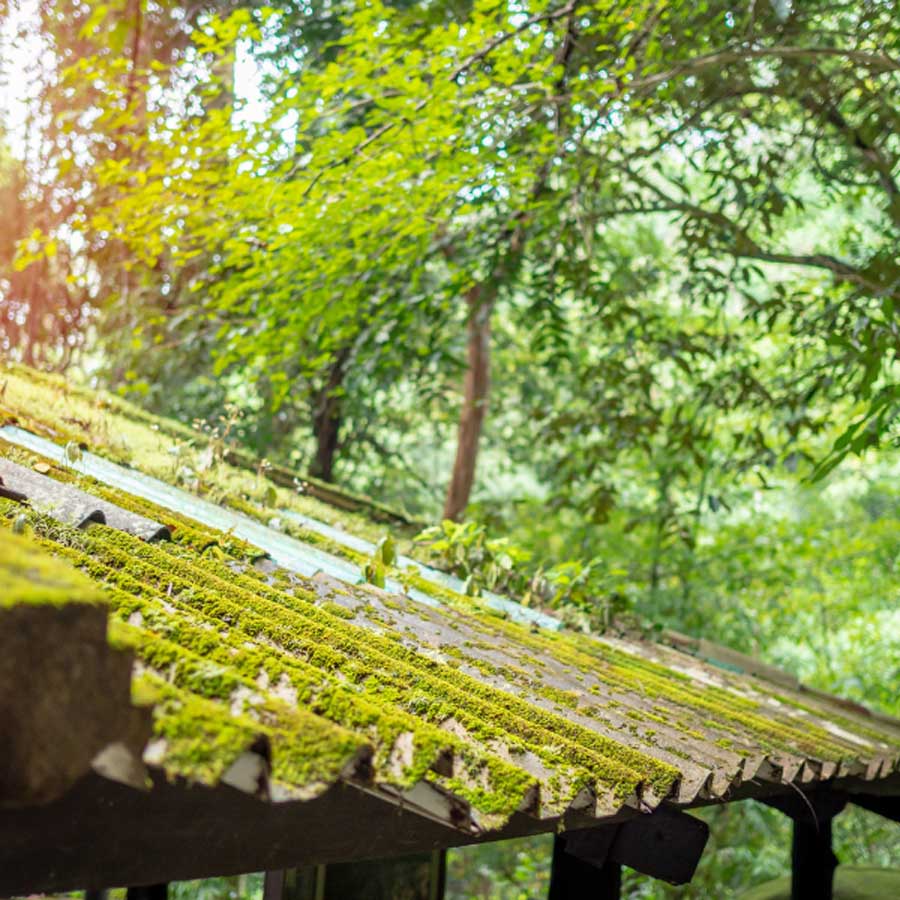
point(261, 661)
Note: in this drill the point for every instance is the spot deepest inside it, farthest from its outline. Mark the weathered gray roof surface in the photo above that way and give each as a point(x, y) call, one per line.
point(260, 660)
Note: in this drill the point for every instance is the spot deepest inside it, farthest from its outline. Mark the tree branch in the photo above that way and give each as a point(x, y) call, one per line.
point(135, 50)
point(878, 62)
point(747, 247)
point(503, 37)
point(870, 153)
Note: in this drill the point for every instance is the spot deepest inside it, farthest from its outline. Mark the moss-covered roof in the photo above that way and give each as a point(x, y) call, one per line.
point(29, 576)
point(417, 692)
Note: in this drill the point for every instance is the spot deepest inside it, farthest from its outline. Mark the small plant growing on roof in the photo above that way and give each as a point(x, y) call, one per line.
point(219, 432)
point(383, 558)
point(579, 589)
point(266, 489)
point(464, 549)
point(183, 463)
point(72, 453)
point(197, 464)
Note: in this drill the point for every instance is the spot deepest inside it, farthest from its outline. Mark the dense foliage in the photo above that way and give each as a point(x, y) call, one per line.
point(638, 263)
point(315, 202)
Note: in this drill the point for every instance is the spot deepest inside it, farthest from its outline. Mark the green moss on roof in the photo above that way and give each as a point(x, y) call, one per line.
point(203, 737)
point(30, 575)
point(210, 656)
point(325, 671)
point(630, 672)
point(51, 406)
point(618, 669)
point(390, 674)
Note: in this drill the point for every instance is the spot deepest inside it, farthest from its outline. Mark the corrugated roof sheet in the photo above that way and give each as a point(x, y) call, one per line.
point(264, 664)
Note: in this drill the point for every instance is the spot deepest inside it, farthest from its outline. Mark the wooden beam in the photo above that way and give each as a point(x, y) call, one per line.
point(809, 807)
point(104, 833)
point(665, 844)
point(889, 807)
point(573, 878)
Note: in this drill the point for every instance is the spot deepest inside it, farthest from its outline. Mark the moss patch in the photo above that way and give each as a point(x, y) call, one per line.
point(325, 671)
point(62, 411)
point(31, 575)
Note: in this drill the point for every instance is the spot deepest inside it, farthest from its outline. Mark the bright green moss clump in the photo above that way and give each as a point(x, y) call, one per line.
point(30, 575)
point(202, 737)
point(205, 729)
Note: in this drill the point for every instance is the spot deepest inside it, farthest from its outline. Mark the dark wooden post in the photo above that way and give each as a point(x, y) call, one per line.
point(96, 895)
point(148, 892)
point(420, 877)
point(812, 860)
point(295, 884)
point(572, 878)
point(273, 885)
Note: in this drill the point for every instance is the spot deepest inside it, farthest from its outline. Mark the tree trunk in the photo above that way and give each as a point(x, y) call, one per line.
point(327, 416)
point(475, 399)
point(481, 299)
point(327, 425)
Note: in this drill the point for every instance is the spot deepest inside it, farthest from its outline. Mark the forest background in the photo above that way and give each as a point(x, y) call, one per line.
point(605, 293)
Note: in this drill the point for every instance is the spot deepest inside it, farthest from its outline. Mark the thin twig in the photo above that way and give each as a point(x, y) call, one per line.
point(880, 62)
point(503, 37)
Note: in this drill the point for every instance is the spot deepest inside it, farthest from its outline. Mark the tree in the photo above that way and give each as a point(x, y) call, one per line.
point(446, 159)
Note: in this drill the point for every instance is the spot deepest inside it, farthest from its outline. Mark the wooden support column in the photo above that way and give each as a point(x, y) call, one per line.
point(812, 860)
point(273, 885)
point(572, 878)
point(295, 884)
point(96, 895)
point(420, 877)
point(148, 892)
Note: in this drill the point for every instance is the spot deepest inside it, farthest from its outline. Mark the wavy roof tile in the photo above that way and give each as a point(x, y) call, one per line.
point(246, 655)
